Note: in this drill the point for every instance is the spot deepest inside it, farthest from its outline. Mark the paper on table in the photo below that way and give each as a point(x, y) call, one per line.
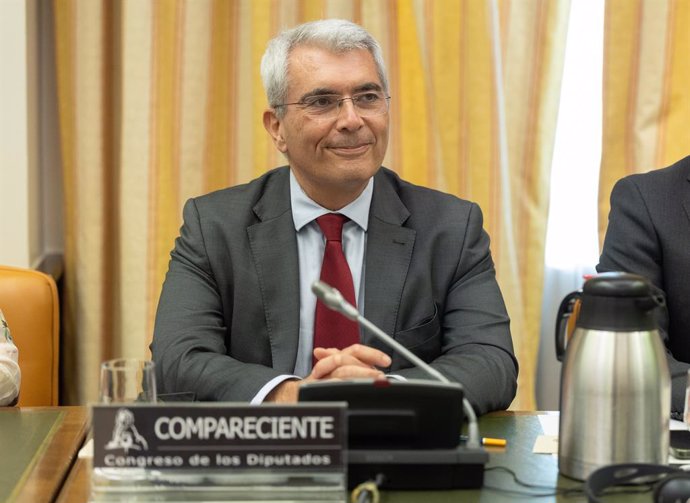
point(548, 442)
point(549, 423)
point(86, 451)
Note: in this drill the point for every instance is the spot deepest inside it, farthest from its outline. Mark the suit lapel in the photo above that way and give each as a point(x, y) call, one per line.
point(274, 250)
point(389, 250)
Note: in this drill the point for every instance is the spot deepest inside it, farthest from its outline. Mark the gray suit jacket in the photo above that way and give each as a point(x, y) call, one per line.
point(649, 234)
point(228, 316)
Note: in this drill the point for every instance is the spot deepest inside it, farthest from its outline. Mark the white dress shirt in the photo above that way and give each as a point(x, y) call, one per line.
point(311, 244)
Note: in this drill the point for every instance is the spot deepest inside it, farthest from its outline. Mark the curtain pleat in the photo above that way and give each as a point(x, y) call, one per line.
point(160, 101)
point(646, 96)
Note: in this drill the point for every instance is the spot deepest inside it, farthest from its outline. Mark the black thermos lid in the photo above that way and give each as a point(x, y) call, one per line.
point(618, 301)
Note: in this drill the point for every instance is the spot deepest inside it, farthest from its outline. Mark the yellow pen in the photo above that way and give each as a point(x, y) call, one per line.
point(494, 442)
point(488, 441)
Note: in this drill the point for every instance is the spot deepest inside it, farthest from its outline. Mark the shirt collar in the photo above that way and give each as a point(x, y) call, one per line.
point(305, 210)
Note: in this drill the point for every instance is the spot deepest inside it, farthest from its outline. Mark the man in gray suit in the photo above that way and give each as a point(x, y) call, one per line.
point(236, 315)
point(649, 234)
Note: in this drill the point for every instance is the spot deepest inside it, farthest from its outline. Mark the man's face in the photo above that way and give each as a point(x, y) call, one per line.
point(332, 159)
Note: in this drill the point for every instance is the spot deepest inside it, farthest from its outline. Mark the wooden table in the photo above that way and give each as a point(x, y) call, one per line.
point(38, 448)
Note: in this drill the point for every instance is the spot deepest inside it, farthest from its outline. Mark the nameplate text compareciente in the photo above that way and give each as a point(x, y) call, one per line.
point(217, 435)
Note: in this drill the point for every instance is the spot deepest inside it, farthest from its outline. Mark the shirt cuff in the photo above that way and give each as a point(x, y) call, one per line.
point(269, 386)
point(396, 377)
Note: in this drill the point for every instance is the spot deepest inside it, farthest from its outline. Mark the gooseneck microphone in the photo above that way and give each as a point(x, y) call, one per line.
point(333, 299)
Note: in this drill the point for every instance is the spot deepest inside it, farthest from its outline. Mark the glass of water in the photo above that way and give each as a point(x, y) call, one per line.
point(127, 380)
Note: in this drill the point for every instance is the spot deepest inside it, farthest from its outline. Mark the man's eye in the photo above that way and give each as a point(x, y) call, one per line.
point(368, 98)
point(320, 102)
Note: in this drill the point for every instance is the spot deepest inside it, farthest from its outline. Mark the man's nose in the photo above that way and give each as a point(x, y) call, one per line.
point(348, 116)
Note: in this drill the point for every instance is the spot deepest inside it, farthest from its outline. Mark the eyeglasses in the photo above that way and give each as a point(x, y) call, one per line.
point(327, 106)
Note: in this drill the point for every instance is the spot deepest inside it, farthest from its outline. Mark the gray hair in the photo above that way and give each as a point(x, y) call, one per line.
point(337, 35)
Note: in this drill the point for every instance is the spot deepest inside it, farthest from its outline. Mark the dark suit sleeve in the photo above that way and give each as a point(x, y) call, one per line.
point(632, 245)
point(476, 346)
point(190, 337)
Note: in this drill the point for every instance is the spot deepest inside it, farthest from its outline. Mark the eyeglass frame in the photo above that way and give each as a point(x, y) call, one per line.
point(340, 102)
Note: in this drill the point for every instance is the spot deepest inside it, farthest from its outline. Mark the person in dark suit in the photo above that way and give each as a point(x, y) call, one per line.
point(649, 234)
point(235, 319)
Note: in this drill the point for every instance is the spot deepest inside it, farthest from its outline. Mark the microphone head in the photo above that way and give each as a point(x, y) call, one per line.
point(327, 294)
point(333, 299)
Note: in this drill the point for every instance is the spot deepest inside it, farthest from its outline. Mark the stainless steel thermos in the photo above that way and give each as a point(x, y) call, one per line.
point(615, 383)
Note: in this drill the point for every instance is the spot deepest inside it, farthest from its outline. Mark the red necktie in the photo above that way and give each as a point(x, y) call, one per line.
point(332, 329)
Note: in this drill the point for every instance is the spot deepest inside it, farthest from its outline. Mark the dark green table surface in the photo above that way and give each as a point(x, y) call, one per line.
point(38, 446)
point(22, 439)
point(521, 430)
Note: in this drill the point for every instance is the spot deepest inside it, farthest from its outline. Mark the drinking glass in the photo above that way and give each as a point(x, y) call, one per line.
point(127, 380)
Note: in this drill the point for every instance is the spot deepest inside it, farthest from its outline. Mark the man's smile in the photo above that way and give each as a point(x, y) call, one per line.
point(350, 149)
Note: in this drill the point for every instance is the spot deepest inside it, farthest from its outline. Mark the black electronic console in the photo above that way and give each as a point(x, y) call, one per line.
point(459, 468)
point(408, 431)
point(396, 415)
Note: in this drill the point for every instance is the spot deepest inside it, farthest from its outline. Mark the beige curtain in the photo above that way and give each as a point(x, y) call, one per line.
point(646, 90)
point(161, 100)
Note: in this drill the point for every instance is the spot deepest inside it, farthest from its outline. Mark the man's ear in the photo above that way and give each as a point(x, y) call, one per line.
point(274, 128)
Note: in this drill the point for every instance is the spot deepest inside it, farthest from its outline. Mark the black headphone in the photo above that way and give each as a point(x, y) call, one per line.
point(672, 484)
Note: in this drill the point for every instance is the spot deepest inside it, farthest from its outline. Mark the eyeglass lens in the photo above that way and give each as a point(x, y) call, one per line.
point(328, 107)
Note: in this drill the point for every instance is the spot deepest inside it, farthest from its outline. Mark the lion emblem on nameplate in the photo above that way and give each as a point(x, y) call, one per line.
point(125, 434)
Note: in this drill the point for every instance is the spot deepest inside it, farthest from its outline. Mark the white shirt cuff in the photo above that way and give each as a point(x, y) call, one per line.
point(396, 377)
point(269, 386)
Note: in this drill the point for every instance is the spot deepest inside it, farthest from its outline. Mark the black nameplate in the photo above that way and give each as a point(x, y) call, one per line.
point(207, 436)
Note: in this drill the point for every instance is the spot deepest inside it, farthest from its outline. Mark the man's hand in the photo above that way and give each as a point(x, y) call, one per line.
point(353, 361)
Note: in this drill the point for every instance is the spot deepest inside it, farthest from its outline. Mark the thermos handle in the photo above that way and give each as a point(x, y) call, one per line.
point(565, 311)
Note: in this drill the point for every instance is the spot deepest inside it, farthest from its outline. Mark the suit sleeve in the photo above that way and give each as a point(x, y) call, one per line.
point(476, 346)
point(632, 245)
point(190, 338)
